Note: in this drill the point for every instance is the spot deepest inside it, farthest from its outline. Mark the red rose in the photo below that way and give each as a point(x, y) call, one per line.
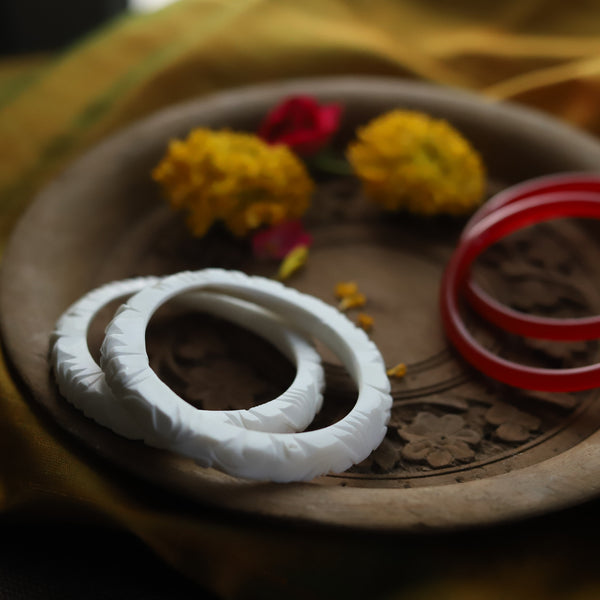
point(301, 123)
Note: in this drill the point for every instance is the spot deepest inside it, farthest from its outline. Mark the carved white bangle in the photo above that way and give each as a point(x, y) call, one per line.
point(82, 382)
point(172, 424)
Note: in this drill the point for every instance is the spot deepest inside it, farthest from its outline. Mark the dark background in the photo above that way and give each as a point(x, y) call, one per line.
point(45, 25)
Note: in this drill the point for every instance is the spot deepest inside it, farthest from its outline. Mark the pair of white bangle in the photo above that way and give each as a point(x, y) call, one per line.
point(265, 442)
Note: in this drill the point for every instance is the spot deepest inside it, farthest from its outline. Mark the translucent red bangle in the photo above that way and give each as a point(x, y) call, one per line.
point(543, 189)
point(547, 184)
point(481, 235)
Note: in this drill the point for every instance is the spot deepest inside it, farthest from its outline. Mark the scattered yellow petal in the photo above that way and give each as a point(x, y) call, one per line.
point(398, 371)
point(365, 321)
point(293, 260)
point(343, 289)
point(353, 301)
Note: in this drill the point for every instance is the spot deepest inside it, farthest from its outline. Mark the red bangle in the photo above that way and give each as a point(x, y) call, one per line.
point(481, 235)
point(543, 189)
point(547, 184)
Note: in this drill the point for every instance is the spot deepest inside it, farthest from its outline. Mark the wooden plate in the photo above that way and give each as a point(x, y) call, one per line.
point(461, 449)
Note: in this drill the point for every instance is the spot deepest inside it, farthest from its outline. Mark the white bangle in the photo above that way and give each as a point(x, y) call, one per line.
point(172, 424)
point(81, 381)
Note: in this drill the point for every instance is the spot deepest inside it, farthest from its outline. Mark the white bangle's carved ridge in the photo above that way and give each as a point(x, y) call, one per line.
point(170, 423)
point(82, 382)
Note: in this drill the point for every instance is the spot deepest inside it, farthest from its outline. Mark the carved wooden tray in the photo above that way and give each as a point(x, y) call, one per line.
point(461, 449)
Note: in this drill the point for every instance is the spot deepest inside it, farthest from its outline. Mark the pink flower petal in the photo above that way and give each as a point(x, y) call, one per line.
point(278, 241)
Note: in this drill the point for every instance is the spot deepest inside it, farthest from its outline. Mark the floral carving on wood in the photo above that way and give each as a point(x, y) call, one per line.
point(215, 365)
point(512, 424)
point(439, 441)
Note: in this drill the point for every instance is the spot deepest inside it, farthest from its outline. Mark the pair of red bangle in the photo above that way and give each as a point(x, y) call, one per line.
point(542, 199)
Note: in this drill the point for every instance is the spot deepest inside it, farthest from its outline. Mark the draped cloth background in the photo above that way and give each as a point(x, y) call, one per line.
point(544, 53)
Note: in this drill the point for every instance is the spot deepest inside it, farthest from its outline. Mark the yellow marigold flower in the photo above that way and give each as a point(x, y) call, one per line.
point(235, 178)
point(408, 160)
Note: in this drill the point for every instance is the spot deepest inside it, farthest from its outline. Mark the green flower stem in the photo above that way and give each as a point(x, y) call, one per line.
point(328, 161)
